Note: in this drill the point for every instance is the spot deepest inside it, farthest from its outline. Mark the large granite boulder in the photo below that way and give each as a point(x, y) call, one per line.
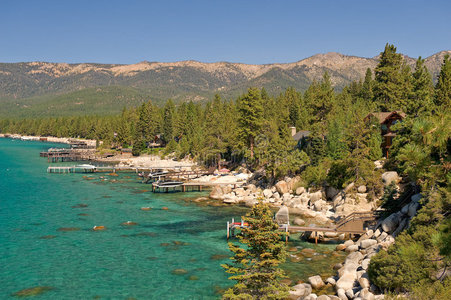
point(389, 177)
point(316, 282)
point(390, 223)
point(282, 187)
point(217, 193)
point(300, 291)
point(315, 196)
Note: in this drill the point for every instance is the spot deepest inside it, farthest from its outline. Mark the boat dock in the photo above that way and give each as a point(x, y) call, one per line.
point(94, 169)
point(178, 186)
point(156, 176)
point(63, 155)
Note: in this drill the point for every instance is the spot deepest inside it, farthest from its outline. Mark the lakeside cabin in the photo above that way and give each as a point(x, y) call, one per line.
point(386, 120)
point(299, 136)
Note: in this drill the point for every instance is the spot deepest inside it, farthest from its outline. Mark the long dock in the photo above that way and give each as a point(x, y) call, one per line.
point(94, 169)
point(185, 186)
point(154, 176)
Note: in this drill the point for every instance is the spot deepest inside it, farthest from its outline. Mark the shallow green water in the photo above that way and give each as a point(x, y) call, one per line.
point(121, 262)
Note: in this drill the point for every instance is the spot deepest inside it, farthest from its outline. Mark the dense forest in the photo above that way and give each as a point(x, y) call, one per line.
point(341, 147)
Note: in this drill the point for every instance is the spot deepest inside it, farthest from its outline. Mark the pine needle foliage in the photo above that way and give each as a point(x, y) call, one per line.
point(255, 267)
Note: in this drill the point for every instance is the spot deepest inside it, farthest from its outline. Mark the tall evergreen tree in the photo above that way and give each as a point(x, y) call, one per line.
point(169, 119)
point(367, 86)
point(250, 117)
point(388, 88)
point(423, 90)
point(443, 86)
point(255, 267)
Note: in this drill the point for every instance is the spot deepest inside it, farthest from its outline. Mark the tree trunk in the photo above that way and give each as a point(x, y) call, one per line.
point(252, 146)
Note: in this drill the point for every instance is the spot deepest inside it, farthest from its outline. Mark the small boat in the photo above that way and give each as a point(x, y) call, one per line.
point(162, 183)
point(85, 166)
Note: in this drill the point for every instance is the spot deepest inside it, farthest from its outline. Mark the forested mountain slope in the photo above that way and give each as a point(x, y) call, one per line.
point(43, 89)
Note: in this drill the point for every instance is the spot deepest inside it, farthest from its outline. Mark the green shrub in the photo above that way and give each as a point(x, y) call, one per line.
point(402, 266)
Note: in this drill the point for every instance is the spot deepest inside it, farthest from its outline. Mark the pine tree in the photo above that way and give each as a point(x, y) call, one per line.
point(423, 90)
point(388, 88)
point(293, 99)
point(443, 86)
point(367, 86)
point(169, 119)
point(255, 267)
point(250, 117)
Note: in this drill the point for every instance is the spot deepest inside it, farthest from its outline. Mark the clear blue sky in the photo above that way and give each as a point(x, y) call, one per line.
point(238, 31)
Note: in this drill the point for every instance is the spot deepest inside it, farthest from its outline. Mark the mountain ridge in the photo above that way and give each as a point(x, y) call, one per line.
point(182, 80)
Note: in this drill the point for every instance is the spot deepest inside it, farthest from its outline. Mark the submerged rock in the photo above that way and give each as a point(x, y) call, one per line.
point(33, 291)
point(219, 256)
point(193, 277)
point(68, 229)
point(179, 272)
point(80, 205)
point(129, 223)
point(47, 237)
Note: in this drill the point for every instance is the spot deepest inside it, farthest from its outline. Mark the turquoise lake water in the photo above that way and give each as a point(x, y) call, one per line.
point(46, 236)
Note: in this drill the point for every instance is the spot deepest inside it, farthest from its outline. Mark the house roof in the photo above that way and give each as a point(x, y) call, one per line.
point(383, 116)
point(301, 134)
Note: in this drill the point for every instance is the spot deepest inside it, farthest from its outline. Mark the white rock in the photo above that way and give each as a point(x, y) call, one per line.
point(311, 297)
point(331, 281)
point(389, 177)
point(323, 297)
point(301, 290)
point(361, 189)
point(298, 222)
point(382, 236)
point(349, 187)
point(286, 196)
point(352, 248)
point(315, 196)
point(282, 187)
point(366, 263)
point(365, 294)
point(276, 196)
point(300, 190)
point(239, 192)
point(354, 257)
point(349, 243)
point(367, 243)
point(350, 293)
point(348, 268)
point(267, 193)
point(364, 282)
point(341, 294)
point(316, 282)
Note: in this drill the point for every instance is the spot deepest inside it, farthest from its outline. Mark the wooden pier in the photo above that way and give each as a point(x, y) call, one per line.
point(178, 186)
point(355, 223)
point(155, 176)
point(94, 169)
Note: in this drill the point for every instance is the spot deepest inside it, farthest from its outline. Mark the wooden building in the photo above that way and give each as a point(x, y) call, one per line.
point(386, 120)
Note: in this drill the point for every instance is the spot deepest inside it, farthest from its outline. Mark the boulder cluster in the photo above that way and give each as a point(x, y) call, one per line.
point(352, 281)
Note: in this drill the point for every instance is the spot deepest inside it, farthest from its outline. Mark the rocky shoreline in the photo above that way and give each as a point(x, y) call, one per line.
point(323, 208)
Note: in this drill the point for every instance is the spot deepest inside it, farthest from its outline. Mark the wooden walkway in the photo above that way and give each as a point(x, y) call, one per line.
point(94, 169)
point(185, 186)
point(355, 223)
point(154, 176)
